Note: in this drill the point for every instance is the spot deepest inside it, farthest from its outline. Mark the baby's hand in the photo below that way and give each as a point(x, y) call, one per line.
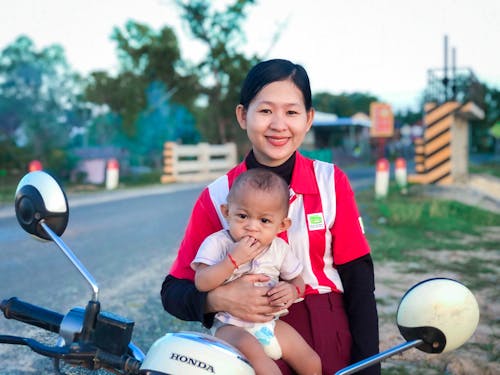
point(246, 250)
point(282, 294)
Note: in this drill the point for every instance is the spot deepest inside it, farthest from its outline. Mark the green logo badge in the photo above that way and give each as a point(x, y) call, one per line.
point(315, 221)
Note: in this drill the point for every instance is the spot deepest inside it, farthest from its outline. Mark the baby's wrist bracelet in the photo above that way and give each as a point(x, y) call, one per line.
point(233, 261)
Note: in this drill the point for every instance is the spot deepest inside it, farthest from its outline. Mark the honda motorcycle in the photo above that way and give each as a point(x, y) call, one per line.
point(435, 316)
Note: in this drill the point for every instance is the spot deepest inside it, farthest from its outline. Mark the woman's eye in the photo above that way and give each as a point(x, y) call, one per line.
point(265, 110)
point(292, 112)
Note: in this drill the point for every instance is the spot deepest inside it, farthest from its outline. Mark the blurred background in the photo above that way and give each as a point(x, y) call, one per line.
point(87, 81)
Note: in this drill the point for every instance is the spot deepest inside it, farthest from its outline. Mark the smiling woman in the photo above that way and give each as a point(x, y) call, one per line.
point(338, 309)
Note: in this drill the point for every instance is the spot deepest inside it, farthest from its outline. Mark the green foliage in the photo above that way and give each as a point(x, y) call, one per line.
point(146, 56)
point(343, 105)
point(160, 122)
point(223, 69)
point(38, 101)
point(400, 225)
point(490, 168)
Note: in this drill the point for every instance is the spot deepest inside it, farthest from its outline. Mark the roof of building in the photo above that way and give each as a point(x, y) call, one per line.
point(324, 119)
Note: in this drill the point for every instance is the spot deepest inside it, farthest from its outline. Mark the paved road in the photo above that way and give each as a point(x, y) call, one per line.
point(125, 239)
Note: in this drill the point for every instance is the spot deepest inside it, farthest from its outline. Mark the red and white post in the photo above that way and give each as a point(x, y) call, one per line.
point(112, 174)
point(401, 174)
point(35, 165)
point(382, 178)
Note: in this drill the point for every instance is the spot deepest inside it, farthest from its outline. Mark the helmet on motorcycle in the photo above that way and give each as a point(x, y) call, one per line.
point(440, 311)
point(193, 353)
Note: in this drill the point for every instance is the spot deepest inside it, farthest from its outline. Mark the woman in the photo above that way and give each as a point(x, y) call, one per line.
point(338, 315)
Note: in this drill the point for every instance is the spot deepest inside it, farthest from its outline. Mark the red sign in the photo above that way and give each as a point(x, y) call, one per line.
point(382, 120)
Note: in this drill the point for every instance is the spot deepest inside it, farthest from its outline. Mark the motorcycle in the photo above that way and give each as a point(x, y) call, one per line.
point(436, 315)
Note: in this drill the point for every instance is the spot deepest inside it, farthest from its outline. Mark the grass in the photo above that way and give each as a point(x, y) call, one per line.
point(490, 168)
point(400, 225)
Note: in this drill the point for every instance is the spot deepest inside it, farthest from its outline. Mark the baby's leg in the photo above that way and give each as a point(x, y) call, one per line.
point(296, 351)
point(250, 347)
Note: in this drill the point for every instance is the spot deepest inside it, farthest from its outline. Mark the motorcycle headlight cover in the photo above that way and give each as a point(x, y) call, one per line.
point(193, 353)
point(440, 311)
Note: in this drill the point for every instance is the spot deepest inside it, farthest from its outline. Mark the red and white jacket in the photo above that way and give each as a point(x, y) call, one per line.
point(326, 228)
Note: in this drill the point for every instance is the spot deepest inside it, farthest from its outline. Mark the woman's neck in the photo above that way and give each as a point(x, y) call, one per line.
point(284, 170)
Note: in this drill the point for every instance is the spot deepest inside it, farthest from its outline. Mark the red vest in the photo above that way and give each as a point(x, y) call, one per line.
point(326, 228)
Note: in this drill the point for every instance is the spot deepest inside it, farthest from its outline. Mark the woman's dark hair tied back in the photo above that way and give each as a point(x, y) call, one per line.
point(270, 71)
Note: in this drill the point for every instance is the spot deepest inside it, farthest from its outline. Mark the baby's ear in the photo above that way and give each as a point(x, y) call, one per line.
point(225, 210)
point(285, 224)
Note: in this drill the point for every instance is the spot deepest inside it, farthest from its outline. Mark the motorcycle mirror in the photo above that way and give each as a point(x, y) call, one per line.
point(39, 197)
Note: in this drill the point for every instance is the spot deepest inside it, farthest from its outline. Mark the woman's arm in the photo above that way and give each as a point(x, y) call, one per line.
point(359, 286)
point(240, 298)
point(355, 267)
point(181, 299)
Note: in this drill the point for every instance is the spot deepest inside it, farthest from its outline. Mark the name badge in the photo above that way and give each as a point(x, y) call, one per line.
point(315, 221)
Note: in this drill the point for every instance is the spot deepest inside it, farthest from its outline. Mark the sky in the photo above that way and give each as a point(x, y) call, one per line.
point(380, 47)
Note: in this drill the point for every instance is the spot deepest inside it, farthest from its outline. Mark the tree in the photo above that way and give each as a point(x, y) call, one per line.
point(162, 121)
point(38, 102)
point(223, 69)
point(343, 105)
point(145, 56)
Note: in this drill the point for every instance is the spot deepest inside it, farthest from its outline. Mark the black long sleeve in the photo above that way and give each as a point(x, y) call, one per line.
point(359, 286)
point(181, 299)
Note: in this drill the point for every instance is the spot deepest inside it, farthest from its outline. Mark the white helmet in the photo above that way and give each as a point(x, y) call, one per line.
point(440, 311)
point(193, 353)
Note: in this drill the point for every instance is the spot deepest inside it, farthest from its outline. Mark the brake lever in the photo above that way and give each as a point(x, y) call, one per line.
point(59, 352)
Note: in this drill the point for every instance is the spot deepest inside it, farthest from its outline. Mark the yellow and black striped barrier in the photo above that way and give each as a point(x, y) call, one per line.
point(441, 156)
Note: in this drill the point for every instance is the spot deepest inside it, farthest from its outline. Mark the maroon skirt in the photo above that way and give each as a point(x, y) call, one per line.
point(322, 321)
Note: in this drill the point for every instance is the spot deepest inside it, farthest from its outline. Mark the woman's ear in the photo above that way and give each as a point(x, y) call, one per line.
point(241, 116)
point(310, 118)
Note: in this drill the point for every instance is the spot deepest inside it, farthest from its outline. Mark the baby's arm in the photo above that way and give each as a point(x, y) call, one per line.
point(210, 277)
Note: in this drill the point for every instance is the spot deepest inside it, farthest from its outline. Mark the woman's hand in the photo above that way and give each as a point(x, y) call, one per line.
point(243, 299)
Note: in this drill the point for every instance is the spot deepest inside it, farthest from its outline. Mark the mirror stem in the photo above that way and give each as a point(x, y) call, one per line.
point(358, 366)
point(76, 262)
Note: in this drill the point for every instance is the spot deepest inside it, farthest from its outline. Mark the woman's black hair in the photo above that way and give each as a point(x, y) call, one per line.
point(274, 70)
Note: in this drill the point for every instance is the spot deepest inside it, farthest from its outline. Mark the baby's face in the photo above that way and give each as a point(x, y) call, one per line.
point(256, 214)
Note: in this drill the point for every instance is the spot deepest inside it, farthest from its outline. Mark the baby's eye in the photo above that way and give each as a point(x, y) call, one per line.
point(265, 221)
point(241, 216)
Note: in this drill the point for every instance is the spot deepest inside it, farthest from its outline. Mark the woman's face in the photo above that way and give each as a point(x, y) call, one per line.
point(276, 122)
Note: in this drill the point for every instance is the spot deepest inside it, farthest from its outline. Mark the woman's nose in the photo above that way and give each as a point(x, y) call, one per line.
point(278, 122)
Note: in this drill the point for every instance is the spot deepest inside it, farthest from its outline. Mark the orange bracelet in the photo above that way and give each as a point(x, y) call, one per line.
point(232, 261)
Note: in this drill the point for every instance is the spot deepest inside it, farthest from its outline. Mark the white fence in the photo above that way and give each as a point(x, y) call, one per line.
point(194, 163)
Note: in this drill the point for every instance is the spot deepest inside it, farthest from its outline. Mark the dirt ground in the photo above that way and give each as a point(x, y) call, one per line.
point(481, 353)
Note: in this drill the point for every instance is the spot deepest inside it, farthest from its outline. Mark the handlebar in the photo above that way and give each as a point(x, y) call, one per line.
point(13, 308)
point(83, 352)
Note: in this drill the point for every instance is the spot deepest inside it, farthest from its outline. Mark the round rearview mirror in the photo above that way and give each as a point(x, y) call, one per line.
point(39, 197)
point(442, 312)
